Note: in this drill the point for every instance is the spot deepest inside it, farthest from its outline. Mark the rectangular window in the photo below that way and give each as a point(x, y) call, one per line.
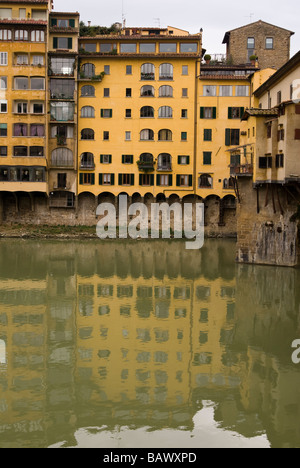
point(65, 43)
point(107, 69)
point(280, 134)
point(21, 35)
point(21, 83)
point(279, 160)
point(128, 113)
point(62, 66)
point(105, 158)
point(297, 133)
point(62, 88)
point(128, 69)
point(208, 112)
point(22, 13)
point(126, 179)
point(269, 43)
point(183, 136)
point(183, 160)
point(106, 92)
point(106, 179)
point(242, 91)
point(38, 108)
point(128, 136)
point(168, 47)
point(37, 36)
point(37, 83)
point(188, 47)
point(5, 13)
point(128, 92)
point(3, 58)
point(184, 180)
point(146, 179)
point(269, 131)
point(250, 43)
point(106, 113)
point(147, 48)
point(184, 113)
point(3, 130)
point(20, 151)
point(90, 47)
point(184, 92)
point(3, 151)
point(86, 179)
point(279, 100)
point(36, 151)
point(207, 134)
point(127, 159)
point(105, 135)
point(3, 107)
point(37, 60)
point(5, 35)
point(37, 130)
point(20, 130)
point(209, 90)
point(22, 59)
point(235, 112)
point(185, 69)
point(127, 48)
point(232, 137)
point(164, 180)
point(225, 91)
point(62, 111)
point(107, 48)
point(265, 162)
point(207, 157)
point(21, 108)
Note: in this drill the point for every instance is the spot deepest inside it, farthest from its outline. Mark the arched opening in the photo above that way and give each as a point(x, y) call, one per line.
point(164, 162)
point(147, 72)
point(147, 112)
point(147, 91)
point(87, 161)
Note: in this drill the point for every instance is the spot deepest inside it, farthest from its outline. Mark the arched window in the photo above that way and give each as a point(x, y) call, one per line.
point(147, 91)
point(88, 70)
point(87, 90)
point(148, 72)
point(164, 162)
point(205, 181)
point(147, 111)
point(165, 112)
point(62, 157)
point(165, 135)
point(166, 91)
point(166, 71)
point(87, 134)
point(87, 161)
point(87, 111)
point(147, 134)
point(146, 158)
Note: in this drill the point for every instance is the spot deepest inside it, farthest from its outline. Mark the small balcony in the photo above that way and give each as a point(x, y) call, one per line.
point(62, 199)
point(164, 167)
point(146, 164)
point(241, 170)
point(62, 187)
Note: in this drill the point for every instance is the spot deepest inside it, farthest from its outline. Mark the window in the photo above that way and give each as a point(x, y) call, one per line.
point(128, 92)
point(184, 92)
point(87, 91)
point(208, 112)
point(62, 131)
point(232, 137)
point(205, 181)
point(20, 151)
point(185, 70)
point(209, 90)
point(184, 180)
point(127, 48)
point(3, 130)
point(38, 107)
point(90, 47)
point(207, 134)
point(3, 106)
point(127, 113)
point(250, 43)
point(62, 66)
point(64, 43)
point(147, 112)
point(128, 69)
point(86, 179)
point(37, 60)
point(269, 131)
point(87, 134)
point(279, 98)
point(183, 160)
point(166, 91)
point(164, 180)
point(147, 134)
point(225, 91)
point(127, 159)
point(37, 83)
point(107, 69)
point(146, 179)
point(269, 43)
point(3, 58)
point(242, 90)
point(62, 88)
point(21, 35)
point(147, 91)
point(297, 133)
point(88, 70)
point(37, 130)
point(166, 47)
point(5, 35)
point(184, 113)
point(165, 135)
point(235, 112)
point(105, 135)
point(21, 82)
point(38, 36)
point(188, 47)
point(279, 160)
point(3, 151)
point(147, 48)
point(165, 112)
point(280, 134)
point(106, 113)
point(265, 162)
point(183, 136)
point(106, 92)
point(126, 179)
point(166, 71)
point(22, 13)
point(87, 161)
point(3, 82)
point(164, 162)
point(127, 136)
point(5, 13)
point(36, 151)
point(21, 107)
point(106, 179)
point(22, 59)
point(107, 48)
point(87, 112)
point(207, 158)
point(147, 72)
point(105, 158)
point(20, 130)
point(62, 111)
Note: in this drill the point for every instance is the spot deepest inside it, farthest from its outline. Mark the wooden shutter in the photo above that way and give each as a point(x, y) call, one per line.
point(102, 113)
point(242, 111)
point(80, 178)
point(120, 179)
point(151, 179)
point(109, 158)
point(53, 22)
point(100, 179)
point(132, 179)
point(178, 180)
point(297, 134)
point(188, 160)
point(230, 112)
point(227, 137)
point(72, 23)
point(101, 158)
point(55, 43)
point(170, 180)
point(190, 180)
point(158, 177)
point(201, 112)
point(214, 112)
point(92, 179)
point(123, 158)
point(70, 43)
point(141, 179)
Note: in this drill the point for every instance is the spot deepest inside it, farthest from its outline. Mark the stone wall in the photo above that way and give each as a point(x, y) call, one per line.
point(267, 58)
point(269, 236)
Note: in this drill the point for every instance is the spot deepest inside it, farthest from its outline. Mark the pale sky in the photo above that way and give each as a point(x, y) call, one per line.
point(214, 16)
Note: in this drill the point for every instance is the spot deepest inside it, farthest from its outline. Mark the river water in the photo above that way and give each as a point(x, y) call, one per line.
point(145, 344)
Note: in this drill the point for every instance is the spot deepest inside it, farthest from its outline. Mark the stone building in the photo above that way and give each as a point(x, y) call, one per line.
point(271, 44)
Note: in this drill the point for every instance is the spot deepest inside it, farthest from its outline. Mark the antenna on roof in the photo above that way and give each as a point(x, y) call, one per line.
point(250, 17)
point(157, 20)
point(123, 15)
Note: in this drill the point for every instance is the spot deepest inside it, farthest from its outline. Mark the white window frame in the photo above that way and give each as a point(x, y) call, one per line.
point(242, 91)
point(106, 179)
point(5, 35)
point(127, 136)
point(225, 90)
point(210, 90)
point(22, 59)
point(3, 101)
point(3, 82)
point(37, 60)
point(3, 59)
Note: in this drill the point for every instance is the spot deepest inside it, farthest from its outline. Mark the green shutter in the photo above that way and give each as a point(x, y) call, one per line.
point(206, 158)
point(158, 179)
point(132, 179)
point(230, 112)
point(102, 112)
point(188, 160)
point(242, 110)
point(92, 179)
point(151, 179)
point(201, 112)
point(170, 180)
point(131, 159)
point(55, 43)
point(110, 113)
point(214, 112)
point(53, 22)
point(179, 159)
point(100, 179)
point(227, 137)
point(178, 180)
point(190, 180)
point(80, 178)
point(140, 179)
point(101, 158)
point(109, 159)
point(72, 23)
point(70, 43)
point(123, 158)
point(112, 179)
point(120, 179)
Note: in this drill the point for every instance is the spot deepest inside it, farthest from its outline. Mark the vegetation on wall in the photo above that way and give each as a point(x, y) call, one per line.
point(85, 30)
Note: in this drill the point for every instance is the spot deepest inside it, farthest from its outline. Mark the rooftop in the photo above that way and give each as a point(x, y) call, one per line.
point(259, 22)
point(259, 113)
